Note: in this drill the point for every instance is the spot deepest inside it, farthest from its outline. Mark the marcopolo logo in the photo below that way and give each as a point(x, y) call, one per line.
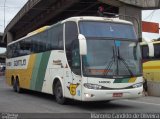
point(104, 81)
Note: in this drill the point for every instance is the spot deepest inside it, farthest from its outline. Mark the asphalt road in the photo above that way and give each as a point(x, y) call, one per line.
point(32, 102)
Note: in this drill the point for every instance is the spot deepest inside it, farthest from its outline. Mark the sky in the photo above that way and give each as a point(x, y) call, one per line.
point(151, 16)
point(13, 6)
point(11, 9)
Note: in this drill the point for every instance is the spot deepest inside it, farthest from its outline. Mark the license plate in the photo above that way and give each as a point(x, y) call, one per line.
point(117, 94)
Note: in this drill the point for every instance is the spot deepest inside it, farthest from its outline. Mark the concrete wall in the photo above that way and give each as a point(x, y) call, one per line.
point(153, 88)
point(146, 4)
point(9, 37)
point(126, 9)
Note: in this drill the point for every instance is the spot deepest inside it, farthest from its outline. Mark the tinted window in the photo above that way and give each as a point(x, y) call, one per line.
point(27, 46)
point(35, 43)
point(9, 51)
point(71, 34)
point(157, 50)
point(24, 48)
point(145, 52)
point(42, 41)
point(38, 43)
point(72, 46)
point(51, 39)
point(55, 38)
point(107, 29)
point(15, 49)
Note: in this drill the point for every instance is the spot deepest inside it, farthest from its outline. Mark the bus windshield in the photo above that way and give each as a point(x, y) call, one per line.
point(111, 56)
point(107, 29)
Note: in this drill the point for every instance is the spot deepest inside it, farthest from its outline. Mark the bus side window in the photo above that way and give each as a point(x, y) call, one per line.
point(15, 49)
point(23, 50)
point(145, 52)
point(27, 46)
point(9, 51)
point(71, 37)
point(53, 38)
point(156, 51)
point(60, 37)
point(75, 57)
point(35, 44)
point(71, 34)
point(43, 38)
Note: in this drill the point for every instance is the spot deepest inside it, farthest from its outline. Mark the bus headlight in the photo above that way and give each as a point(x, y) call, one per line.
point(137, 85)
point(92, 86)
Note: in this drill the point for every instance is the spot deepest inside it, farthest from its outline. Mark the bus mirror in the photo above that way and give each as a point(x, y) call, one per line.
point(82, 44)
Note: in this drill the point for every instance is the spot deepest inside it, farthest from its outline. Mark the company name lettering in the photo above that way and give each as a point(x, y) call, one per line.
point(20, 62)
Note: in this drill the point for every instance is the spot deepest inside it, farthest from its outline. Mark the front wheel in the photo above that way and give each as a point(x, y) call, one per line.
point(59, 93)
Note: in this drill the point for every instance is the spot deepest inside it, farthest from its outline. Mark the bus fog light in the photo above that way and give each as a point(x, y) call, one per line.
point(87, 95)
point(137, 85)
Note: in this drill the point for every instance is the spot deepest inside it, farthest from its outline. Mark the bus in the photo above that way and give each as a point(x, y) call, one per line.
point(83, 58)
point(151, 66)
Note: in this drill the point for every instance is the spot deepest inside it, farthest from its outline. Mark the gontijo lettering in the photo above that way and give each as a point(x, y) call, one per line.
point(20, 62)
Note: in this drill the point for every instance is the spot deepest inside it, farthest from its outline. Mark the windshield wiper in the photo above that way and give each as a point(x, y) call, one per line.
point(108, 67)
point(124, 62)
point(114, 59)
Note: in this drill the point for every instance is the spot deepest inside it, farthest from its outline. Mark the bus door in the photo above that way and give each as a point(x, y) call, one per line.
point(73, 73)
point(72, 85)
point(76, 72)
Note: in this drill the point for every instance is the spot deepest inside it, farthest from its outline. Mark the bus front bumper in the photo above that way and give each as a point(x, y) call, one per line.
point(104, 95)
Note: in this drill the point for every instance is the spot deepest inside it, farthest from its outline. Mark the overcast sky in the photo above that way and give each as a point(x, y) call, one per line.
point(11, 9)
point(13, 6)
point(152, 16)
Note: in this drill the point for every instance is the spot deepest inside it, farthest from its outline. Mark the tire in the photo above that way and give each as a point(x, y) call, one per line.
point(59, 93)
point(16, 86)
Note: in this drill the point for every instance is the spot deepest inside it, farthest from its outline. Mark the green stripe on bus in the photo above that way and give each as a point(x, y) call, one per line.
point(118, 80)
point(35, 71)
point(125, 80)
point(42, 70)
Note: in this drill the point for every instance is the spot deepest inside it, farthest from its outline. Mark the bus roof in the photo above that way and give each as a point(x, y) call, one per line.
point(93, 18)
point(76, 19)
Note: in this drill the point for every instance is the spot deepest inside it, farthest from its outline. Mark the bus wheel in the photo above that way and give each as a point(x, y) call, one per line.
point(59, 93)
point(16, 86)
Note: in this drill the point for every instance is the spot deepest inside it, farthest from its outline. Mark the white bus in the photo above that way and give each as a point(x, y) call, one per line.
point(80, 58)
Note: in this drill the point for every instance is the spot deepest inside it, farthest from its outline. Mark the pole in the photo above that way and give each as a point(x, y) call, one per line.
point(4, 14)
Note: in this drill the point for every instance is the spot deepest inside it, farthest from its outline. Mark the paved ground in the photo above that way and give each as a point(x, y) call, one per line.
point(31, 102)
